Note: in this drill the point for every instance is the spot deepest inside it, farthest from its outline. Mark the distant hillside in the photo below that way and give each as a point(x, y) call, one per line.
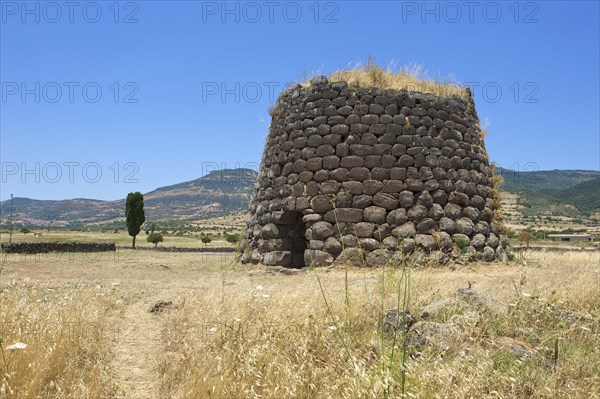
point(584, 195)
point(579, 188)
point(544, 180)
point(573, 193)
point(217, 193)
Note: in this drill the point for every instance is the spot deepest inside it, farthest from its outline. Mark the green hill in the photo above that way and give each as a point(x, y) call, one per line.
point(542, 190)
point(216, 193)
point(584, 195)
point(545, 180)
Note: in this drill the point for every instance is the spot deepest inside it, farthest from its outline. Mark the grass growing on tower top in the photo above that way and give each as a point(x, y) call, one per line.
point(412, 78)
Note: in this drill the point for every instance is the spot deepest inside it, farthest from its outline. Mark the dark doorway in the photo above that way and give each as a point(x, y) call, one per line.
point(292, 233)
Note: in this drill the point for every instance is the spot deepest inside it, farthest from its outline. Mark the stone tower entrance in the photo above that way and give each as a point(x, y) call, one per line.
point(284, 239)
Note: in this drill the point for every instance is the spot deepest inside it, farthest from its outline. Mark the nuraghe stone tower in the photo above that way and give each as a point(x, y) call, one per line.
point(367, 172)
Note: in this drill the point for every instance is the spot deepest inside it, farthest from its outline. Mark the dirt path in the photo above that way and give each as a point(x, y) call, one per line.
point(136, 348)
point(131, 282)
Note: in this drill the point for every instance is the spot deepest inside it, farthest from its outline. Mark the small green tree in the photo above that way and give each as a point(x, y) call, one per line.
point(232, 238)
point(205, 239)
point(25, 230)
point(155, 238)
point(134, 214)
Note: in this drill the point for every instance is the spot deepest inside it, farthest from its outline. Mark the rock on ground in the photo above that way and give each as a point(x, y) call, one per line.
point(482, 300)
point(160, 306)
point(439, 336)
point(396, 321)
point(444, 306)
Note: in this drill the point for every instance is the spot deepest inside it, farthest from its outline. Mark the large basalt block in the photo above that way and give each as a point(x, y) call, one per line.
point(277, 258)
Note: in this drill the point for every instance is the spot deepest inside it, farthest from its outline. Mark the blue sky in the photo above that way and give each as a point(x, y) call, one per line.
point(99, 100)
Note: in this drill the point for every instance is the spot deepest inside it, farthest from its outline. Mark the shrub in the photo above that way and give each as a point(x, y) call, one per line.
point(461, 243)
point(155, 238)
point(232, 238)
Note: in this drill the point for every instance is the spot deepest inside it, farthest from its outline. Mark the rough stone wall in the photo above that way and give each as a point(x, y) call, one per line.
point(181, 249)
point(43, 247)
point(378, 170)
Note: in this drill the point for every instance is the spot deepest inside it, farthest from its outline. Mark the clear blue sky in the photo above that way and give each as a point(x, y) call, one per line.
point(168, 125)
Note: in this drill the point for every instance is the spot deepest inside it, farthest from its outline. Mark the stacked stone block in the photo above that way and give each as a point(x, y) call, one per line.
point(379, 170)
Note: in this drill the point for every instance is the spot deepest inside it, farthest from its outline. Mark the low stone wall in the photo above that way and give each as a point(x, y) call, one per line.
point(183, 249)
point(43, 247)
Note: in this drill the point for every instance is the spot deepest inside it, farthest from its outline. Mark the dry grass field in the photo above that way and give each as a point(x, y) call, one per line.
point(237, 332)
point(512, 215)
point(121, 238)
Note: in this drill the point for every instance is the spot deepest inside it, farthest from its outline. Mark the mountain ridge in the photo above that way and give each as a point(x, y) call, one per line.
point(577, 187)
point(216, 193)
point(228, 190)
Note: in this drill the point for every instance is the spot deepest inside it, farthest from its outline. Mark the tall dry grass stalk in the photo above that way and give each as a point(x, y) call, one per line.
point(292, 336)
point(240, 333)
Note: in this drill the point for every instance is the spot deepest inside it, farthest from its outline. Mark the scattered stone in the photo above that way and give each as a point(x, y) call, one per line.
point(291, 271)
point(482, 300)
point(429, 334)
point(573, 317)
point(396, 321)
point(285, 270)
point(466, 320)
point(518, 349)
point(443, 307)
point(160, 306)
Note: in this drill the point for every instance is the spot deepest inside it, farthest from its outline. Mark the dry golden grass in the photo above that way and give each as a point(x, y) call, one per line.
point(65, 331)
point(277, 339)
point(236, 332)
point(407, 78)
point(191, 240)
